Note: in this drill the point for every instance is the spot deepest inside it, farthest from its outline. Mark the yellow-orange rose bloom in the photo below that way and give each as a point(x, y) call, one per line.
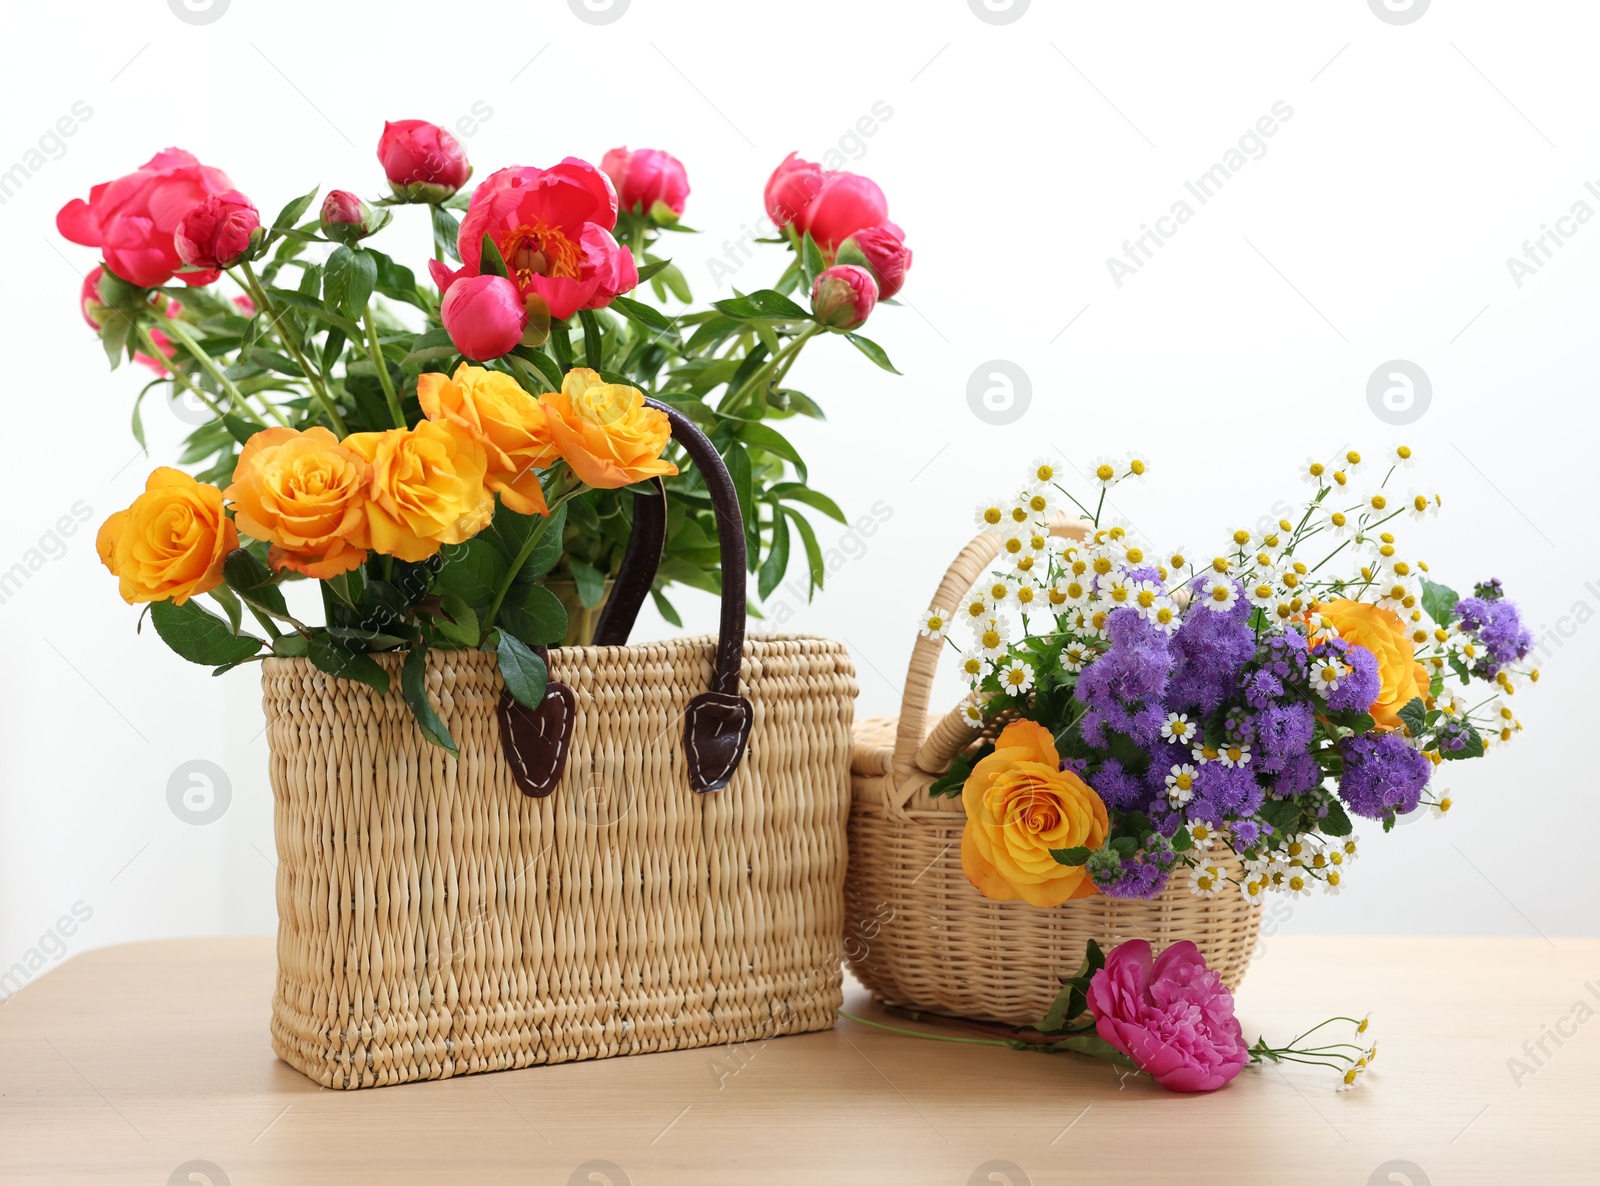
point(1402, 678)
point(605, 432)
point(1020, 804)
point(306, 495)
point(170, 544)
point(505, 420)
point(427, 488)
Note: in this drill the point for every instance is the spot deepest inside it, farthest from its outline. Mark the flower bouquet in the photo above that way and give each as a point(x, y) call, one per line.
point(452, 465)
point(1153, 741)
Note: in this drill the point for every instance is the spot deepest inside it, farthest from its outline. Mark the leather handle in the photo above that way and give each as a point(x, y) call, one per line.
point(717, 722)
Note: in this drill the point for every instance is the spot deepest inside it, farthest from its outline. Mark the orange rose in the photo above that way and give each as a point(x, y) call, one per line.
point(427, 489)
point(605, 432)
point(306, 495)
point(170, 544)
point(1020, 804)
point(505, 420)
point(1382, 633)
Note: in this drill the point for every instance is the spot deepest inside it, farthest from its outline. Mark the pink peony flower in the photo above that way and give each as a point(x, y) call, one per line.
point(884, 253)
point(1173, 1018)
point(648, 181)
point(422, 161)
point(845, 204)
point(132, 219)
point(483, 316)
point(217, 232)
point(844, 296)
point(791, 187)
point(553, 229)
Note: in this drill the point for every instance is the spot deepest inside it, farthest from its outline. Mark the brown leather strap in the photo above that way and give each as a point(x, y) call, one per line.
point(717, 722)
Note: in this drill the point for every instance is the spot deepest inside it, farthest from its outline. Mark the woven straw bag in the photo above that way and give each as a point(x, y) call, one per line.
point(640, 864)
point(919, 935)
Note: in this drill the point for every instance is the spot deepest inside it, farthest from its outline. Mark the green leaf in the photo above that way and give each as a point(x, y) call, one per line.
point(414, 683)
point(760, 436)
point(239, 428)
point(816, 570)
point(872, 350)
point(1182, 841)
point(777, 561)
point(490, 261)
point(332, 656)
point(230, 604)
point(291, 646)
point(811, 258)
point(594, 345)
point(1414, 716)
point(271, 360)
point(535, 615)
point(950, 783)
point(1095, 1046)
point(524, 672)
point(1337, 821)
point(199, 636)
point(430, 347)
point(1473, 748)
point(543, 363)
point(251, 580)
point(666, 609)
point(744, 486)
point(590, 580)
point(346, 586)
point(763, 304)
point(795, 492)
point(458, 623)
point(351, 274)
point(1440, 601)
point(646, 315)
point(651, 267)
point(474, 571)
point(291, 214)
point(446, 230)
point(1071, 856)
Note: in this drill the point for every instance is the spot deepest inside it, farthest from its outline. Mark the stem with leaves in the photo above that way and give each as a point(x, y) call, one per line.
point(526, 551)
point(375, 352)
point(279, 319)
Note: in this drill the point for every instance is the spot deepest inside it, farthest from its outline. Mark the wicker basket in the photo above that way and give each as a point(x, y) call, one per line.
point(670, 875)
point(919, 935)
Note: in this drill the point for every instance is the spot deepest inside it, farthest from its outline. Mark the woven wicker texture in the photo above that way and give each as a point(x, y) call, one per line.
point(434, 921)
point(919, 935)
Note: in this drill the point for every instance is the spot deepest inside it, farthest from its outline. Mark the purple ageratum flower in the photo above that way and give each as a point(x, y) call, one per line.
point(1245, 833)
point(1496, 626)
point(1231, 789)
point(1118, 788)
point(1361, 684)
point(1281, 731)
point(1382, 774)
point(1261, 688)
point(1210, 647)
point(1300, 774)
point(1123, 687)
point(1139, 880)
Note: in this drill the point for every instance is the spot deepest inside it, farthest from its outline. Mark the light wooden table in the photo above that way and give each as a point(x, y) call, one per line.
point(130, 1063)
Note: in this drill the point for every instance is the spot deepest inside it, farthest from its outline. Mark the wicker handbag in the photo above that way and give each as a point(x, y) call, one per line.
point(641, 864)
point(919, 935)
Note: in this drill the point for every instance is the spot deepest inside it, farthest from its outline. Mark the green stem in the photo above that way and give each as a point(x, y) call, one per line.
point(919, 1034)
point(375, 352)
point(279, 319)
point(528, 546)
point(177, 375)
point(179, 332)
point(756, 381)
point(267, 623)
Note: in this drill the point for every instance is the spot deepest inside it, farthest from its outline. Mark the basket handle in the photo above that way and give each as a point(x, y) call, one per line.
point(717, 722)
point(917, 758)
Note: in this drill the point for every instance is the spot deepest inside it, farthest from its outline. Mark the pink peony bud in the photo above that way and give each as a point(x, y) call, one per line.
point(219, 232)
point(790, 189)
point(843, 296)
point(845, 204)
point(648, 181)
point(484, 316)
point(423, 162)
point(883, 252)
point(345, 217)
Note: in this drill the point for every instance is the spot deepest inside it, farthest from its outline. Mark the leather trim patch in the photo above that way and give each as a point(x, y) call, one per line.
point(535, 740)
point(715, 731)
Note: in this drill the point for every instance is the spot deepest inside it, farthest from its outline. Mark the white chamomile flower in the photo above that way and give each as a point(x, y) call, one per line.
point(1420, 505)
point(1105, 472)
point(1040, 501)
point(1327, 674)
point(1178, 559)
point(1013, 541)
point(1206, 879)
point(1201, 834)
point(972, 665)
point(1136, 466)
point(1016, 678)
point(1337, 523)
point(1234, 754)
point(1297, 884)
point(1332, 882)
point(1027, 596)
point(1204, 753)
point(1273, 540)
point(1441, 808)
point(993, 637)
point(1314, 472)
point(1347, 847)
point(1220, 595)
point(1147, 595)
point(1164, 614)
point(997, 593)
point(1070, 591)
point(1375, 503)
point(1034, 558)
point(975, 609)
point(1263, 592)
point(1042, 472)
point(1253, 887)
point(972, 711)
point(1177, 728)
point(1180, 784)
point(1117, 589)
point(1075, 657)
point(1393, 593)
point(934, 624)
point(991, 516)
point(1400, 455)
point(1352, 462)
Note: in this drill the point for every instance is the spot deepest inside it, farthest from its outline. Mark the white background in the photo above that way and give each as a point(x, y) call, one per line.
point(1018, 157)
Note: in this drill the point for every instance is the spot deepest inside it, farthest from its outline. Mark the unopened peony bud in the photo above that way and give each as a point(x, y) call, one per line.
point(221, 231)
point(423, 162)
point(484, 316)
point(347, 219)
point(883, 252)
point(844, 296)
